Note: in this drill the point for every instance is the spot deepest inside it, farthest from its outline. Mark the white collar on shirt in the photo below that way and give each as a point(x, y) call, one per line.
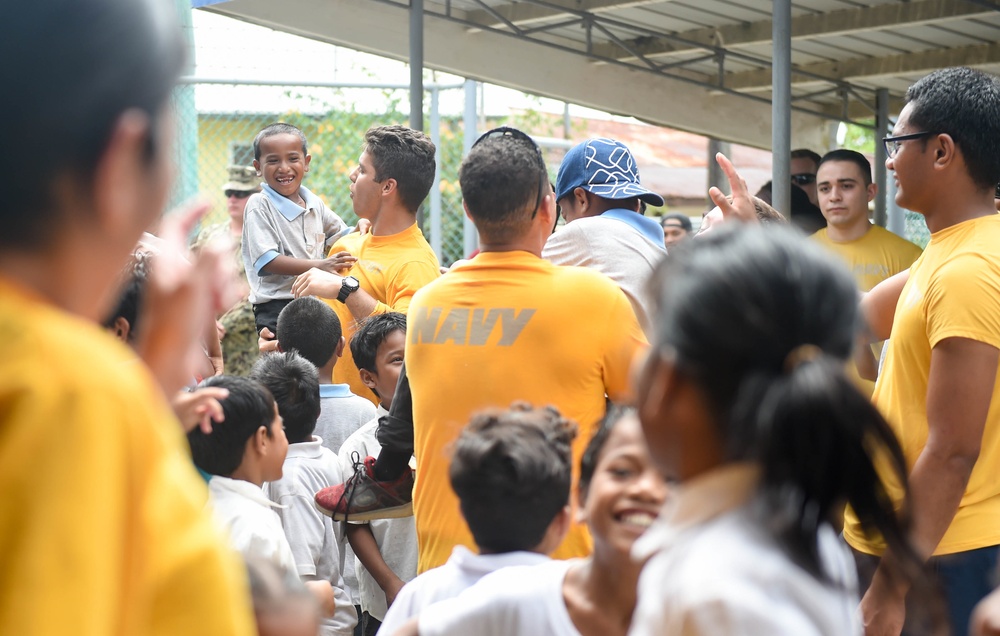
point(697, 501)
point(224, 486)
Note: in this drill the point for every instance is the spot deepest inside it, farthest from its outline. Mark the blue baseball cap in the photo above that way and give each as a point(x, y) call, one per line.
point(604, 167)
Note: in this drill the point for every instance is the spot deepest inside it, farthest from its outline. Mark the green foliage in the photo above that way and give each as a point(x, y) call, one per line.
point(860, 138)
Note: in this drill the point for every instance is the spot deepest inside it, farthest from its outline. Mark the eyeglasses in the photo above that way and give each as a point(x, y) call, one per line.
point(803, 178)
point(507, 131)
point(892, 143)
point(239, 194)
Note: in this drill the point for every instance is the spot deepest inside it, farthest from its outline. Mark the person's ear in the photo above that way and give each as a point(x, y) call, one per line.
point(872, 191)
point(547, 211)
point(256, 166)
point(339, 349)
point(656, 384)
point(556, 532)
point(389, 186)
point(582, 201)
point(945, 150)
point(258, 441)
point(121, 329)
point(307, 162)
point(121, 178)
point(367, 378)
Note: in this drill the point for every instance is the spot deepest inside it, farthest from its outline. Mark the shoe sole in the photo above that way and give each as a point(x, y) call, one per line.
point(396, 512)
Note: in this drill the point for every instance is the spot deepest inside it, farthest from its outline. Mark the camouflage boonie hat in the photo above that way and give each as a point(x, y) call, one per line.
point(242, 179)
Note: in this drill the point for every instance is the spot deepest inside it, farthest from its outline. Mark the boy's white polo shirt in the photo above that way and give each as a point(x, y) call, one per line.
point(463, 569)
point(275, 226)
point(249, 517)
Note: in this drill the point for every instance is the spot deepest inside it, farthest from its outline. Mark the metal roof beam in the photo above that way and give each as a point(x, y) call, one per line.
point(872, 67)
point(527, 12)
point(498, 57)
point(894, 15)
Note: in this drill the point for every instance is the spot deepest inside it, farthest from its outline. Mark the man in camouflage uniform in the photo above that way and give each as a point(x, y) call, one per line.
point(239, 336)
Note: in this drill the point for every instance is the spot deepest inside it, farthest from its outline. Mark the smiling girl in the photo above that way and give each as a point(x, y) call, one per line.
point(620, 495)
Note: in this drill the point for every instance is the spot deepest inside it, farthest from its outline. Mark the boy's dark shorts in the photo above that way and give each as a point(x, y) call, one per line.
point(266, 314)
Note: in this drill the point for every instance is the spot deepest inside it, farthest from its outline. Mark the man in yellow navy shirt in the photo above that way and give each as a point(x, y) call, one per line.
point(506, 326)
point(393, 177)
point(938, 385)
point(845, 188)
point(103, 527)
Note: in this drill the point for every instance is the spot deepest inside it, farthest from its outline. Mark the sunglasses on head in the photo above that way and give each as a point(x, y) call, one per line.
point(239, 194)
point(507, 131)
point(803, 178)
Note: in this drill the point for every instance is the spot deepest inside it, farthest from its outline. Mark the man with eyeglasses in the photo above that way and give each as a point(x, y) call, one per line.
point(236, 326)
point(599, 194)
point(803, 165)
point(939, 379)
point(505, 326)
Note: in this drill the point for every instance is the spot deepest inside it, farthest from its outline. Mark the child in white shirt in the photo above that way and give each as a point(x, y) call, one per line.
point(243, 451)
point(620, 493)
point(313, 537)
point(511, 471)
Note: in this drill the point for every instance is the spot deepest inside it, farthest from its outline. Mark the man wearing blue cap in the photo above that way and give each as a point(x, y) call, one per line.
point(599, 194)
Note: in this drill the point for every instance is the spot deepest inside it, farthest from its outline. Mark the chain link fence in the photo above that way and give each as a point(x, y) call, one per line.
point(218, 122)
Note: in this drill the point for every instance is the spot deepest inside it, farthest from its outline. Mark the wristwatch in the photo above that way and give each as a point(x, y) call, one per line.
point(349, 285)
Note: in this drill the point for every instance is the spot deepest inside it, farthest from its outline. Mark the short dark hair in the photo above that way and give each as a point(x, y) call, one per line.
point(310, 327)
point(683, 219)
point(279, 128)
point(499, 180)
point(406, 155)
point(373, 332)
point(963, 103)
point(133, 289)
point(858, 159)
point(62, 113)
point(248, 406)
point(512, 472)
point(294, 383)
point(592, 453)
point(805, 153)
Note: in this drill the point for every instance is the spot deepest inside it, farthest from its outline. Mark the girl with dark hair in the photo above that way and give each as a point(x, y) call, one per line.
point(744, 401)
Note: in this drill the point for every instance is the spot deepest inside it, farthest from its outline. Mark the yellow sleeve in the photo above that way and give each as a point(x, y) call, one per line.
point(963, 301)
point(625, 340)
point(103, 524)
point(406, 281)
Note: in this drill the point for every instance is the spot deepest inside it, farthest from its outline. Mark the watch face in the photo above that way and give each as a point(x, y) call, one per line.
point(351, 283)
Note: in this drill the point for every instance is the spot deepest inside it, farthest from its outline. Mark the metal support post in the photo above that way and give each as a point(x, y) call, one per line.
point(469, 234)
point(881, 130)
point(436, 187)
point(781, 108)
point(417, 75)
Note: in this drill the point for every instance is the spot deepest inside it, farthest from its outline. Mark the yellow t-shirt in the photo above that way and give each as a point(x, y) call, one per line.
point(391, 269)
point(872, 258)
point(103, 527)
point(505, 327)
point(953, 292)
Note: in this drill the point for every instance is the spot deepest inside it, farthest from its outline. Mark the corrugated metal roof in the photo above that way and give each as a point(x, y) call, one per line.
point(698, 65)
point(841, 51)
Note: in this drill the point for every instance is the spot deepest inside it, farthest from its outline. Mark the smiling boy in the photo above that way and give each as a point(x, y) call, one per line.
point(287, 228)
point(393, 177)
